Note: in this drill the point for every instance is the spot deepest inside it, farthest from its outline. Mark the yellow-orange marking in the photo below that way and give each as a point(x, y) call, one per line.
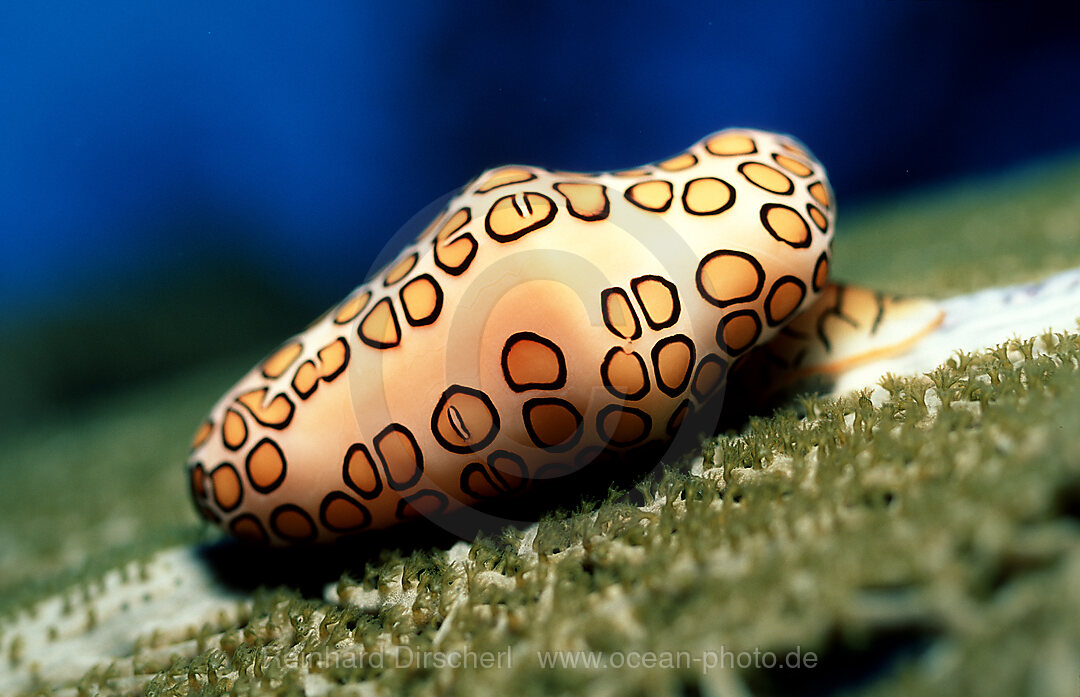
point(730, 144)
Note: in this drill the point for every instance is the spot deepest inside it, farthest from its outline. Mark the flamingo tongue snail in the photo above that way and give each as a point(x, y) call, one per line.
point(542, 320)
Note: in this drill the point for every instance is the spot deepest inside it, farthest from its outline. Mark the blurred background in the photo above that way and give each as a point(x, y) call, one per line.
point(184, 181)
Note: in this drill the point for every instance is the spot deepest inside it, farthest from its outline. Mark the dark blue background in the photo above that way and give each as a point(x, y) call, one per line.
point(146, 139)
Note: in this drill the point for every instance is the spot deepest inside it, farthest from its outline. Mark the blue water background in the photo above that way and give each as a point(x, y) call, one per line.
point(144, 138)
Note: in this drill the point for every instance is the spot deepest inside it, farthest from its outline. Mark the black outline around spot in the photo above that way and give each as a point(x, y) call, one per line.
point(825, 188)
point(344, 363)
point(810, 208)
point(607, 318)
point(674, 339)
point(398, 428)
point(676, 305)
point(393, 317)
point(422, 321)
point(340, 495)
point(464, 265)
point(224, 419)
point(606, 379)
point(364, 494)
point(733, 301)
point(439, 496)
point(285, 508)
point(198, 466)
point(560, 378)
point(604, 212)
point(463, 482)
point(518, 234)
point(791, 183)
point(772, 322)
point(684, 408)
point(835, 310)
point(239, 484)
point(710, 358)
point(247, 467)
point(436, 246)
point(727, 320)
point(780, 154)
point(526, 410)
point(484, 442)
point(764, 215)
point(314, 383)
point(522, 474)
point(666, 206)
point(266, 390)
point(459, 269)
point(717, 211)
point(248, 516)
point(609, 439)
point(823, 259)
point(319, 376)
